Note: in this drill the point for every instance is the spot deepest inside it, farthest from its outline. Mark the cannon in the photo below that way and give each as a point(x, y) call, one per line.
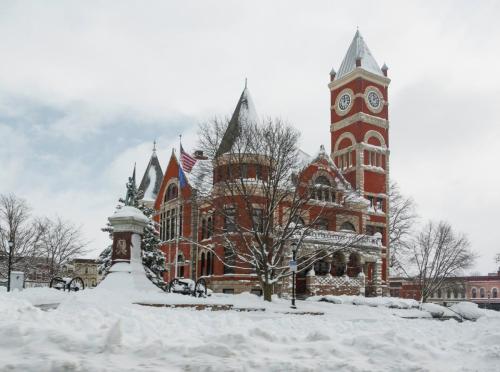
point(188, 287)
point(70, 284)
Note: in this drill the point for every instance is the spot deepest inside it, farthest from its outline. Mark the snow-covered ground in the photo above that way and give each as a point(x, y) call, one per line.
point(101, 331)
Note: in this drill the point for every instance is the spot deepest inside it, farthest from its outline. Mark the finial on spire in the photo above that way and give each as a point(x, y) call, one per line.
point(245, 83)
point(154, 146)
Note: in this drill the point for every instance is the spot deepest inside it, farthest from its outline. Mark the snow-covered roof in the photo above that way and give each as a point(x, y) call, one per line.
point(358, 49)
point(201, 176)
point(151, 181)
point(243, 113)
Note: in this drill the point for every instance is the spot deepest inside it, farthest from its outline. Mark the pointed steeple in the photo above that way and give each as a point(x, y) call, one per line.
point(151, 180)
point(243, 113)
point(358, 55)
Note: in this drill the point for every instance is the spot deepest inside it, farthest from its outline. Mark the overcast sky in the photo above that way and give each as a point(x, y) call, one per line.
point(86, 87)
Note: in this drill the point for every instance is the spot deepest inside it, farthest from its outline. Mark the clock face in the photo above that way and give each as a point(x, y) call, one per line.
point(344, 101)
point(374, 99)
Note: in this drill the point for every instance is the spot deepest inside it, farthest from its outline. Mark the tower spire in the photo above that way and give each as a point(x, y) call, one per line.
point(358, 56)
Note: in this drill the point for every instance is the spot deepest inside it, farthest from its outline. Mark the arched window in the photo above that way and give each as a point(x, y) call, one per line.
point(171, 192)
point(299, 221)
point(338, 264)
point(347, 226)
point(322, 180)
point(321, 267)
point(482, 293)
point(494, 293)
point(474, 293)
point(321, 224)
point(448, 293)
point(439, 294)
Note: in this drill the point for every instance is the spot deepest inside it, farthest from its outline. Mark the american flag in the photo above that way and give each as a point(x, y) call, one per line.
point(187, 160)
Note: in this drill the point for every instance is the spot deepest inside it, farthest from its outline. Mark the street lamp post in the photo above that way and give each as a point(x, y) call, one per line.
point(294, 254)
point(9, 267)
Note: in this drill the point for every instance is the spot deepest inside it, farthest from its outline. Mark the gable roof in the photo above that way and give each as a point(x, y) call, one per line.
point(151, 181)
point(358, 49)
point(243, 113)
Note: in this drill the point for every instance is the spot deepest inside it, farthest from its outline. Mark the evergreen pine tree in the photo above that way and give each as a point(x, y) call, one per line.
point(152, 257)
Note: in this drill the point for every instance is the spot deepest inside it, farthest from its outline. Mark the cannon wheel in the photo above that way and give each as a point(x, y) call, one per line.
point(172, 284)
point(76, 284)
point(200, 289)
point(58, 283)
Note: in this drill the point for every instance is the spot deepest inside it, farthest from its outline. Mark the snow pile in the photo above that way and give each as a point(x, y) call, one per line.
point(97, 331)
point(471, 311)
point(390, 302)
point(128, 211)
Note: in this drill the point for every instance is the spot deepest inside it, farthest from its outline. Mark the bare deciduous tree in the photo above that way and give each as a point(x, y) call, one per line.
point(436, 255)
point(16, 224)
point(402, 217)
point(260, 193)
point(60, 242)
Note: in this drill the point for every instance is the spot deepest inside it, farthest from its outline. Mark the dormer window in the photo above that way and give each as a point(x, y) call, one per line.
point(323, 190)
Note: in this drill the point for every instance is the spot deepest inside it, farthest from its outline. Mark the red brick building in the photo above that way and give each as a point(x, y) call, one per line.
point(350, 183)
point(480, 289)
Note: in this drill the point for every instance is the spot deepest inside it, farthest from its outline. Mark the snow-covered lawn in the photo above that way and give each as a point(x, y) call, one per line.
point(99, 331)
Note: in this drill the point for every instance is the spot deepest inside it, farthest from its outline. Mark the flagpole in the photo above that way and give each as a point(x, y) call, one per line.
point(177, 227)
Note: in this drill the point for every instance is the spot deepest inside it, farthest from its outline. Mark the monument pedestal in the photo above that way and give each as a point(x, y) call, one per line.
point(127, 271)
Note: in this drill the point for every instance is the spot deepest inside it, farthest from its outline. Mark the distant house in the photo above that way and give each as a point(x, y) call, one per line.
point(85, 268)
point(480, 289)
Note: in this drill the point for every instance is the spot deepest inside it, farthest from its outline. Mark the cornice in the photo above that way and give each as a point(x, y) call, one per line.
point(360, 116)
point(357, 73)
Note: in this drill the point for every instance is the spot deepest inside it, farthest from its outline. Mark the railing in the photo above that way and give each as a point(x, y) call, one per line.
point(338, 281)
point(340, 238)
point(35, 284)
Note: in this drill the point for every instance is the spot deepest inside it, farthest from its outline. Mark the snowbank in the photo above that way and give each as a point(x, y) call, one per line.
point(471, 311)
point(99, 331)
point(396, 303)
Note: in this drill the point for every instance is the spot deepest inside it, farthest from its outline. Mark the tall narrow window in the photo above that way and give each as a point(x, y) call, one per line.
point(258, 222)
point(258, 171)
point(203, 229)
point(230, 219)
point(210, 227)
point(244, 171)
point(180, 222)
point(180, 266)
point(229, 261)
point(203, 267)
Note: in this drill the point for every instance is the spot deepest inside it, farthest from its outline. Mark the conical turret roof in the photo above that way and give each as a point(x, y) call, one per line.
point(358, 50)
point(243, 113)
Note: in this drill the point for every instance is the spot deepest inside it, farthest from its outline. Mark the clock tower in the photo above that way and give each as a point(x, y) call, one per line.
point(360, 133)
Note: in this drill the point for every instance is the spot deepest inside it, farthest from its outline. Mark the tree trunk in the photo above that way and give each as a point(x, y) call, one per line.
point(268, 291)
